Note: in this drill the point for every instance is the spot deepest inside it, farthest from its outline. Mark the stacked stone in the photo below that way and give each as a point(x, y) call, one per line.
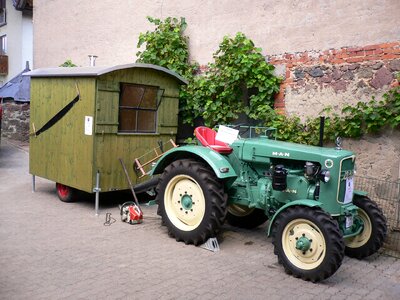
point(370, 68)
point(15, 121)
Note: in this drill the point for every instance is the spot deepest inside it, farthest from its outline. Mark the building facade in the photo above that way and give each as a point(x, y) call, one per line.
point(16, 37)
point(328, 52)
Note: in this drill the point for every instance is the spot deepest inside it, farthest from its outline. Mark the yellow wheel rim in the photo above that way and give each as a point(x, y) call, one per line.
point(184, 202)
point(307, 230)
point(240, 210)
point(361, 239)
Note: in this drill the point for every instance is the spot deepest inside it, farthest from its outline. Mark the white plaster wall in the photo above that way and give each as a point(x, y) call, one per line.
point(27, 42)
point(19, 31)
point(13, 31)
point(110, 29)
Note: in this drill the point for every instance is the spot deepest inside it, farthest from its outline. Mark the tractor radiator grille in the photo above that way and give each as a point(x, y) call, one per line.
point(346, 173)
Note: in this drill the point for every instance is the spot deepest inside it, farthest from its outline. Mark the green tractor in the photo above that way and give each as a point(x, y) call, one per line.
point(306, 192)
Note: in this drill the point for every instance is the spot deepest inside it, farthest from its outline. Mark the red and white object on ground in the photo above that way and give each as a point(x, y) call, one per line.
point(131, 213)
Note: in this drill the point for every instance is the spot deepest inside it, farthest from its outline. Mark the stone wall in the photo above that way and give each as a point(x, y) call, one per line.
point(15, 121)
point(378, 156)
point(314, 80)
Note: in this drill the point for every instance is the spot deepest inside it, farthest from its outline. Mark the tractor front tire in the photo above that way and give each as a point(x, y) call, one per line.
point(374, 232)
point(308, 243)
point(192, 201)
point(66, 193)
point(245, 217)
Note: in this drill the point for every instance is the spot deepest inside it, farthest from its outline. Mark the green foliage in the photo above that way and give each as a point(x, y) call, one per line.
point(166, 46)
point(68, 63)
point(364, 118)
point(290, 128)
point(241, 81)
point(353, 122)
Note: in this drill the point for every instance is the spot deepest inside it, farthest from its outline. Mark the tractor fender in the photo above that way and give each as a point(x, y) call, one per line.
point(302, 202)
point(217, 162)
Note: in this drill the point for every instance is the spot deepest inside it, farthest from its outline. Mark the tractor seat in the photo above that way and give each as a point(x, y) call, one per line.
point(206, 136)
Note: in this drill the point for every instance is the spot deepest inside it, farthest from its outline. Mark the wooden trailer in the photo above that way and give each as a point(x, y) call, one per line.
point(84, 119)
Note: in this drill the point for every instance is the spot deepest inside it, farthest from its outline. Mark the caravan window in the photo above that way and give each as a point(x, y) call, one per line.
point(138, 108)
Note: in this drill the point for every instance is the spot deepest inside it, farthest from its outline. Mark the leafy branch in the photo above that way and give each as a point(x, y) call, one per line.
point(240, 81)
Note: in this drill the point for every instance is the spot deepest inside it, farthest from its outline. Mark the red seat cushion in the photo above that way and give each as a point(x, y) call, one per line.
point(206, 136)
point(222, 149)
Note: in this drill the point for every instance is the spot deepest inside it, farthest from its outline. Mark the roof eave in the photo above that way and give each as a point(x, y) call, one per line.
point(98, 71)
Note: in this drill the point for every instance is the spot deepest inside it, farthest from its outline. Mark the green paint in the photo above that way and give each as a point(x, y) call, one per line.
point(186, 202)
point(301, 202)
point(65, 154)
point(215, 160)
point(249, 181)
point(303, 244)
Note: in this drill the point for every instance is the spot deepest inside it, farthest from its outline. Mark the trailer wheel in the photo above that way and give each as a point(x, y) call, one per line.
point(373, 234)
point(245, 217)
point(66, 193)
point(191, 200)
point(308, 243)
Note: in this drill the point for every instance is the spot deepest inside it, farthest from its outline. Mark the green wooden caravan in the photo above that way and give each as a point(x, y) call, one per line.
point(84, 119)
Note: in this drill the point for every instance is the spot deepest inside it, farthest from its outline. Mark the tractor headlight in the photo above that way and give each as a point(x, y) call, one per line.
point(324, 175)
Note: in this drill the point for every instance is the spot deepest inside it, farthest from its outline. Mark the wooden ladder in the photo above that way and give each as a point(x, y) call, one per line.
point(139, 166)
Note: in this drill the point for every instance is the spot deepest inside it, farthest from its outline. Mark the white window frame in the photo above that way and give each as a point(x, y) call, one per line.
point(3, 44)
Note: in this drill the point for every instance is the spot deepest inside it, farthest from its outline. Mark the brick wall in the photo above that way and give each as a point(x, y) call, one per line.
point(314, 80)
point(345, 75)
point(15, 121)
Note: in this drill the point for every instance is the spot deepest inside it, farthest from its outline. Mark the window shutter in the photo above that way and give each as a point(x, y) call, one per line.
point(107, 102)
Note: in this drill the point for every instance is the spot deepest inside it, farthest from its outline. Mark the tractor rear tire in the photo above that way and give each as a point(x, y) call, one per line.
point(373, 235)
point(192, 201)
point(66, 193)
point(245, 217)
point(308, 243)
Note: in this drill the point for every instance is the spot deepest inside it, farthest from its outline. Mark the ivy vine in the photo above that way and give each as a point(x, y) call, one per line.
point(166, 46)
point(353, 121)
point(241, 81)
point(238, 81)
point(68, 64)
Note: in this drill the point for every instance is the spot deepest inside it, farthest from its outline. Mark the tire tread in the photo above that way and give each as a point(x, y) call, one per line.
point(217, 201)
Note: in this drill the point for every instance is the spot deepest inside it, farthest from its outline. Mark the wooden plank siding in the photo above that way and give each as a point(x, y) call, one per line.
point(63, 153)
point(66, 155)
point(109, 147)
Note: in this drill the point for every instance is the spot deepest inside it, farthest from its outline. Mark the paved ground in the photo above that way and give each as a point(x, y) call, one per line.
point(54, 250)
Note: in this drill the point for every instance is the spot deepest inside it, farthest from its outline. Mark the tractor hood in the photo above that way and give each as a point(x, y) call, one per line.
point(264, 148)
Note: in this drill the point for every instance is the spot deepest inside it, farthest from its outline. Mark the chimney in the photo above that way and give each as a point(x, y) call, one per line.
point(92, 60)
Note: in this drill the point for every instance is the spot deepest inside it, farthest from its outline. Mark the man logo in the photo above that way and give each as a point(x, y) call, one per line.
point(281, 154)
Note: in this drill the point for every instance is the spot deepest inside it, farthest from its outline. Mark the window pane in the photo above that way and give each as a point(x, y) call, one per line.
point(3, 44)
point(131, 95)
point(150, 98)
point(138, 108)
point(146, 121)
point(127, 120)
